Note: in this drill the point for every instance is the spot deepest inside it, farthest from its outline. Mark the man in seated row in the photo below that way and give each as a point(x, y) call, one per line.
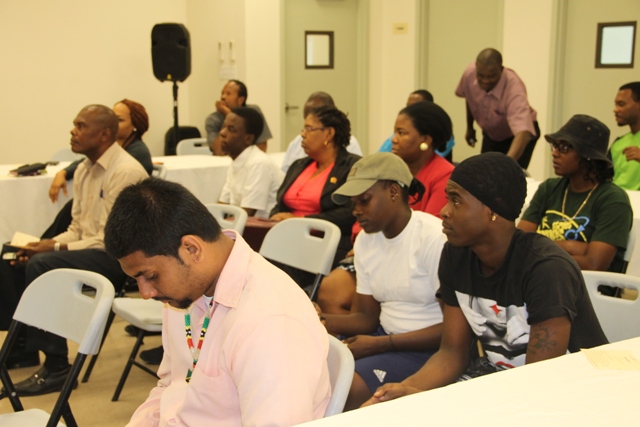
point(253, 178)
point(262, 356)
point(295, 150)
point(625, 150)
point(234, 94)
point(98, 180)
point(519, 293)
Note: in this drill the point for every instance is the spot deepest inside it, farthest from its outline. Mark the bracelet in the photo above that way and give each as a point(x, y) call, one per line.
point(56, 247)
point(393, 347)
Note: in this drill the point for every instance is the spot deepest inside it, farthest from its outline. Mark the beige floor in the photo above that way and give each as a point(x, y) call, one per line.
point(91, 402)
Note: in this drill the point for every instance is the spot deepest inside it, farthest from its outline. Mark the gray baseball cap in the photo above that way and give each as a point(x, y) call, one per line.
point(369, 170)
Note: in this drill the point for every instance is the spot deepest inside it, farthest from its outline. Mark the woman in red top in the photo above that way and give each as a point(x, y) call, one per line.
point(420, 129)
point(306, 189)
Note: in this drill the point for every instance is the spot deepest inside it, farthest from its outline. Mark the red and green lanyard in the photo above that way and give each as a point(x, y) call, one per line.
point(195, 352)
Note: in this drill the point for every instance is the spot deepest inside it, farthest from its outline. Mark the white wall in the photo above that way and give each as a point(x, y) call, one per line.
point(59, 56)
point(391, 66)
point(526, 47)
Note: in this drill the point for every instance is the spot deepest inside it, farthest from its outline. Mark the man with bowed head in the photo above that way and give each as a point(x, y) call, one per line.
point(519, 293)
point(263, 353)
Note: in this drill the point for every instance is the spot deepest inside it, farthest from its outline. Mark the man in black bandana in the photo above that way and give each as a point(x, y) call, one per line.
point(522, 296)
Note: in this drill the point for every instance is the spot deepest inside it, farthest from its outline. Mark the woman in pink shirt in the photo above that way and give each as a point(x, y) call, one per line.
point(420, 129)
point(306, 189)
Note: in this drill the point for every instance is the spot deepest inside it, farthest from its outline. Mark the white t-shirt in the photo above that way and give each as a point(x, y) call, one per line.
point(402, 273)
point(295, 151)
point(252, 182)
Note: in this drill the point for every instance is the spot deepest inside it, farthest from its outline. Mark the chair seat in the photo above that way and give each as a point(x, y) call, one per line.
point(27, 418)
point(144, 314)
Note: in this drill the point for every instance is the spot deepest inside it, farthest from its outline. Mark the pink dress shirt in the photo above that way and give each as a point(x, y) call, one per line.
point(263, 359)
point(503, 111)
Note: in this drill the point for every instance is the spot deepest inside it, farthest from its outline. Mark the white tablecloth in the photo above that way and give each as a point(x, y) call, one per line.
point(25, 204)
point(566, 391)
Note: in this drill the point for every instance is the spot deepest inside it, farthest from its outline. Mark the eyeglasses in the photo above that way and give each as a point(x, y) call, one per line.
point(308, 129)
point(562, 147)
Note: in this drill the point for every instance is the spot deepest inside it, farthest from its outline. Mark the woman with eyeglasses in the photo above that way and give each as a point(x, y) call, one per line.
point(306, 189)
point(583, 211)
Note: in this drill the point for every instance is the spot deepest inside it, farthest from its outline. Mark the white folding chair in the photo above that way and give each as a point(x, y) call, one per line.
point(229, 216)
point(146, 315)
point(308, 244)
point(341, 369)
point(193, 146)
point(66, 155)
point(55, 303)
point(159, 171)
point(631, 243)
point(619, 317)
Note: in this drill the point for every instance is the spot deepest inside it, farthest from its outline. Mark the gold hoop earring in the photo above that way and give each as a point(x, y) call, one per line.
point(424, 146)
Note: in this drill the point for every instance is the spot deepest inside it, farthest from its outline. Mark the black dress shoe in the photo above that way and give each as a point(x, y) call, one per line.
point(153, 356)
point(22, 359)
point(43, 382)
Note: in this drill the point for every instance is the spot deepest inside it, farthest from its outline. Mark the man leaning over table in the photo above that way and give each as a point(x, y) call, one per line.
point(243, 344)
point(518, 293)
point(99, 179)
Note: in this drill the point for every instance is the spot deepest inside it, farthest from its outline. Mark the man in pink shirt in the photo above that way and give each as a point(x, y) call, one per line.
point(243, 345)
point(496, 98)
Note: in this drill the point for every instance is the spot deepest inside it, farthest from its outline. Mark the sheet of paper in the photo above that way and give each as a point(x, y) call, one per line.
point(20, 240)
point(612, 359)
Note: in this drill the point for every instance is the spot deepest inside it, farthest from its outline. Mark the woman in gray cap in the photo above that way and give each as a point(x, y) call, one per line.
point(395, 321)
point(583, 211)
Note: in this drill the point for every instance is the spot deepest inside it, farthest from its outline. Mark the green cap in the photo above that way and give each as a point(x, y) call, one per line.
point(369, 170)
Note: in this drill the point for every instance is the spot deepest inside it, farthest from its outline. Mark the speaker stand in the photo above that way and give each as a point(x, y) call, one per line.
point(175, 114)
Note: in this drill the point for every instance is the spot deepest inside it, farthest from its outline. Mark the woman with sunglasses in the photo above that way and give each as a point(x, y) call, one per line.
point(583, 211)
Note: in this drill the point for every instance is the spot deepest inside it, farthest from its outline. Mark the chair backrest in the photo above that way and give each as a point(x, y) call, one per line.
point(159, 171)
point(619, 317)
point(631, 243)
point(66, 155)
point(341, 369)
point(229, 216)
point(55, 303)
point(193, 146)
point(296, 243)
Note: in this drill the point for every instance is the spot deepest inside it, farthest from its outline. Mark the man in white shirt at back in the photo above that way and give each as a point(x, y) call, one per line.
point(295, 151)
point(253, 178)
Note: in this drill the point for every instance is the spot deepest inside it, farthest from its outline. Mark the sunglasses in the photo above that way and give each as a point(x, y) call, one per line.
point(562, 147)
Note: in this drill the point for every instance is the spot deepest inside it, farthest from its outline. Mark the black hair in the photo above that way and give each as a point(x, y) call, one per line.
point(323, 97)
point(105, 117)
point(242, 91)
point(152, 216)
point(635, 90)
point(411, 194)
point(430, 119)
point(490, 56)
point(331, 117)
point(602, 170)
point(424, 94)
point(253, 122)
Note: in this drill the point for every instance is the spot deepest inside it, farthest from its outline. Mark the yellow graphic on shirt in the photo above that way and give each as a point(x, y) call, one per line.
point(558, 226)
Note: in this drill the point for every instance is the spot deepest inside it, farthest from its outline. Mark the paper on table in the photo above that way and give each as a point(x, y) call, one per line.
point(20, 240)
point(612, 359)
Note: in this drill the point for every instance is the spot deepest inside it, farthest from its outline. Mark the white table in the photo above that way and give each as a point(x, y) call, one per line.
point(566, 391)
point(25, 204)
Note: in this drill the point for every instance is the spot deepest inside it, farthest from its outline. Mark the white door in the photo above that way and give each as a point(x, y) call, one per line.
point(341, 17)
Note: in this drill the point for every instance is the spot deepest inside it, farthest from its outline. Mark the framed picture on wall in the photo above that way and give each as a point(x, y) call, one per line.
point(616, 45)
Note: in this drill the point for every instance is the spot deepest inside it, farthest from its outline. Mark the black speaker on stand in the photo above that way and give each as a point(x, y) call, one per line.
point(171, 55)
